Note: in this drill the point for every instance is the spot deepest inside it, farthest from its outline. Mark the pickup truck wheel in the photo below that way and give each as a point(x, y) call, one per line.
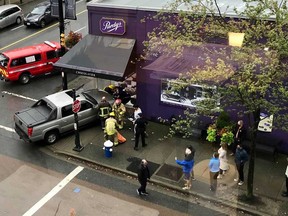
point(24, 78)
point(51, 137)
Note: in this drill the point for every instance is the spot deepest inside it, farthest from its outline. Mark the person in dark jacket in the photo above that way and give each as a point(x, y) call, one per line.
point(140, 128)
point(241, 157)
point(143, 176)
point(238, 136)
point(187, 166)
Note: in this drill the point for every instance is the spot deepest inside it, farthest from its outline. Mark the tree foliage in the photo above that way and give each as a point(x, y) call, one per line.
point(250, 79)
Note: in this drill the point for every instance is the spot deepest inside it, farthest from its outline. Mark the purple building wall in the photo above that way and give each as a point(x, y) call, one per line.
point(149, 82)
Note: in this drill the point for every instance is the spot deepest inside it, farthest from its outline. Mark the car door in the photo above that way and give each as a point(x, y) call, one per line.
point(67, 120)
point(3, 19)
point(10, 17)
point(87, 113)
point(48, 17)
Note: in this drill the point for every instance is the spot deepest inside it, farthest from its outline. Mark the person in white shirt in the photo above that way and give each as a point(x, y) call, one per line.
point(224, 166)
point(285, 194)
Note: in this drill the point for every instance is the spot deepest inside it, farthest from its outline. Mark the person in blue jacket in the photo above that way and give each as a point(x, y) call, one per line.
point(187, 165)
point(214, 167)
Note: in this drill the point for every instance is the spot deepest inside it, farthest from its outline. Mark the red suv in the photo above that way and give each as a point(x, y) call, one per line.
point(23, 63)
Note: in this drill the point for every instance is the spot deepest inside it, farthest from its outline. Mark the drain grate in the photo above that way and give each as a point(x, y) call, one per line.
point(170, 172)
point(135, 162)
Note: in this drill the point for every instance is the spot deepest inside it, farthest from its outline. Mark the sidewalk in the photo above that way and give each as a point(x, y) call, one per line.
point(268, 176)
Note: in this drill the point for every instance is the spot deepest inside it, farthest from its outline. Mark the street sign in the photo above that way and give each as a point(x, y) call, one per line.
point(76, 106)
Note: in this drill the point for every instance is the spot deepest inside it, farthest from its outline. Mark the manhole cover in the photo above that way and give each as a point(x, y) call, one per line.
point(135, 162)
point(170, 172)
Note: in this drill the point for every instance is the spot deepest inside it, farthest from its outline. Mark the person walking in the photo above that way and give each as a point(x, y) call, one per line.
point(285, 194)
point(110, 130)
point(214, 167)
point(143, 176)
point(140, 128)
point(119, 109)
point(222, 151)
point(104, 110)
point(241, 157)
point(187, 167)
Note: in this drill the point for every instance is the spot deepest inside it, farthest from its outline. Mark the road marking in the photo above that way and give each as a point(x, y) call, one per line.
point(80, 29)
point(36, 33)
point(17, 95)
point(7, 128)
point(54, 191)
point(17, 28)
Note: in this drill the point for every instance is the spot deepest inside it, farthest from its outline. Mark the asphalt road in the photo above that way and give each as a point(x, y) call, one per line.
point(28, 172)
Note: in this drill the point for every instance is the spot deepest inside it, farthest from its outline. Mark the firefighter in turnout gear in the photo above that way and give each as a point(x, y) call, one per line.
point(110, 132)
point(119, 109)
point(104, 110)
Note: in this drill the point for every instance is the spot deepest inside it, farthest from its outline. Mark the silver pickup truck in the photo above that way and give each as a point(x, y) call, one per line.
point(52, 115)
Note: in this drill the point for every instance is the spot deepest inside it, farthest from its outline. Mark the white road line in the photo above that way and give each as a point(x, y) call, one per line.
point(54, 191)
point(7, 128)
point(17, 28)
point(80, 29)
point(17, 95)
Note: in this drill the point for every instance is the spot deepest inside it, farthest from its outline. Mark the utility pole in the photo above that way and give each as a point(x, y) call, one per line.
point(62, 41)
point(76, 108)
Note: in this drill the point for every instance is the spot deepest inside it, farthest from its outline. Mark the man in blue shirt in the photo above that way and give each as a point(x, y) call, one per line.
point(214, 167)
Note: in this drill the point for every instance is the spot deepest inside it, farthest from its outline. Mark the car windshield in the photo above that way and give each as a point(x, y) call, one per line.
point(3, 60)
point(39, 10)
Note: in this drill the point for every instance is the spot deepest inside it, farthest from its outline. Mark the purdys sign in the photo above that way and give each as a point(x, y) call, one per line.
point(112, 26)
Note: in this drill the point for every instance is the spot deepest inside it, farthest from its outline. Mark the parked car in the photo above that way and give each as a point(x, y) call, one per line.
point(52, 115)
point(173, 96)
point(40, 16)
point(10, 14)
point(23, 63)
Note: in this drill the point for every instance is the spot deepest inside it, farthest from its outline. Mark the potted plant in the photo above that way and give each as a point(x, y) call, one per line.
point(221, 130)
point(72, 39)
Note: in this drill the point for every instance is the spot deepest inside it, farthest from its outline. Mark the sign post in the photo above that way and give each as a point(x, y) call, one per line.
point(76, 108)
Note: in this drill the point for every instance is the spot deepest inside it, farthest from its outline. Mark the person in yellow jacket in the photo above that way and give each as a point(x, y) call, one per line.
point(119, 109)
point(110, 131)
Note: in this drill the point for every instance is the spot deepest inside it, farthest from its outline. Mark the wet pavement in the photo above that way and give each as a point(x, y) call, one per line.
point(160, 153)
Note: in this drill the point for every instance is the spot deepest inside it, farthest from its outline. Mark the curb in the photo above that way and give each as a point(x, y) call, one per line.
point(239, 206)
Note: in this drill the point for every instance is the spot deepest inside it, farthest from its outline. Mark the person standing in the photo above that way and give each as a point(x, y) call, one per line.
point(214, 167)
point(222, 151)
point(104, 110)
point(238, 136)
point(119, 109)
point(110, 130)
point(187, 167)
point(285, 194)
point(140, 128)
point(135, 116)
point(241, 157)
point(143, 176)
point(192, 155)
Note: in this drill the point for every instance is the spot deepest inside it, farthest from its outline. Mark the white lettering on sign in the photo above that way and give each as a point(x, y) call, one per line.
point(109, 27)
point(76, 106)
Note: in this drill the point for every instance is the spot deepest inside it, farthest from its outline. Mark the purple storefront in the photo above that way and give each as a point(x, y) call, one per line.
point(121, 22)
